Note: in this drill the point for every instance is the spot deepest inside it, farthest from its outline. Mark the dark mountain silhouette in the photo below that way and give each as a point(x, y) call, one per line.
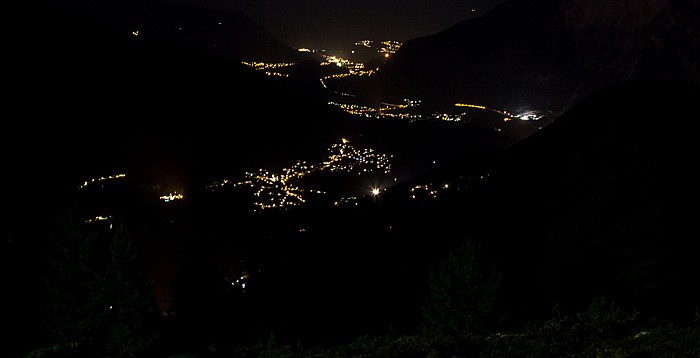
point(547, 54)
point(595, 204)
point(125, 97)
point(228, 33)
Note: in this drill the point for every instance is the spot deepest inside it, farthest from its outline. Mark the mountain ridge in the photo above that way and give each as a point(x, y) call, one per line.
point(547, 53)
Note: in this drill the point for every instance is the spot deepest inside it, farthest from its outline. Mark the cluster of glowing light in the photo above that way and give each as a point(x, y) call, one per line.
point(352, 72)
point(269, 67)
point(272, 190)
point(171, 197)
point(365, 43)
point(508, 116)
point(216, 184)
point(354, 68)
point(238, 279)
point(469, 105)
point(387, 110)
point(303, 49)
point(412, 102)
point(355, 109)
point(347, 200)
point(400, 111)
point(346, 158)
point(385, 47)
point(340, 62)
point(408, 103)
point(530, 115)
point(448, 117)
point(98, 218)
point(111, 177)
point(390, 47)
point(279, 190)
point(433, 190)
point(425, 190)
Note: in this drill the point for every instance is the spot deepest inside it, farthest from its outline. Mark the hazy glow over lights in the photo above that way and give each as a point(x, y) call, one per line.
point(529, 115)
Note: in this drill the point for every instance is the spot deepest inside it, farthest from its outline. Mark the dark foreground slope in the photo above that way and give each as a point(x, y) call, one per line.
point(597, 203)
point(594, 205)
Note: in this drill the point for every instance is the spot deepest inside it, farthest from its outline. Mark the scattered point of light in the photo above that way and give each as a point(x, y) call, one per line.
point(375, 191)
point(118, 176)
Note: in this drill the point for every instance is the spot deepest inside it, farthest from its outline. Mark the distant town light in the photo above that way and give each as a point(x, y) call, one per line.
point(171, 196)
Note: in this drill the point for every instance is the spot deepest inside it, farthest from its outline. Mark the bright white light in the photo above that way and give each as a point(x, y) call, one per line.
point(375, 191)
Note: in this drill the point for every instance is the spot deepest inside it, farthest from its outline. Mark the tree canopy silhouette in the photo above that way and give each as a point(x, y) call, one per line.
point(98, 300)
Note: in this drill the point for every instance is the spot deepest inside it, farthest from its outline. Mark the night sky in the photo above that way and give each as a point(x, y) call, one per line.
point(334, 24)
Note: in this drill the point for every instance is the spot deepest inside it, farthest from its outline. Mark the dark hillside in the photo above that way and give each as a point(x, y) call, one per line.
point(114, 100)
point(547, 54)
point(85, 99)
point(230, 34)
point(597, 203)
